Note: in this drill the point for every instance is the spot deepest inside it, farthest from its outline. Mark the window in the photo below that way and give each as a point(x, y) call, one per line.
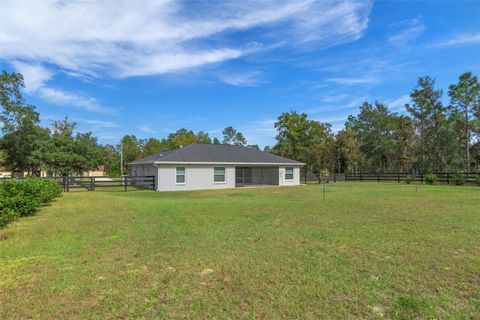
point(219, 174)
point(289, 173)
point(180, 177)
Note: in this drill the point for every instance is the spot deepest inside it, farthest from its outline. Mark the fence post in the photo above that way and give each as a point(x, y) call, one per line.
point(68, 184)
point(448, 177)
point(378, 177)
point(91, 183)
point(153, 183)
point(398, 176)
point(361, 176)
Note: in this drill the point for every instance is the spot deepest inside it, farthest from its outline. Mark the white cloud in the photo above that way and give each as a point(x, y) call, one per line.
point(364, 79)
point(36, 77)
point(98, 123)
point(399, 103)
point(146, 129)
point(409, 30)
point(460, 40)
point(68, 99)
point(247, 79)
point(130, 38)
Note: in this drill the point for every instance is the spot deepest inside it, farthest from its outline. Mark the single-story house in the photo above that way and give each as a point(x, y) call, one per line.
point(216, 166)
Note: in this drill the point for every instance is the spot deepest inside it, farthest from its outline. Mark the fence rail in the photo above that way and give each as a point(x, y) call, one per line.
point(93, 183)
point(446, 177)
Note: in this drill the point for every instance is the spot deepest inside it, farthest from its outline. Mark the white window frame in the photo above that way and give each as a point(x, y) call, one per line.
point(224, 175)
point(184, 175)
point(293, 173)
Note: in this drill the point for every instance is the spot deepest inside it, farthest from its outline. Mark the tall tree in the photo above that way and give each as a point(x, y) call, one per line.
point(64, 153)
point(203, 137)
point(152, 146)
point(429, 117)
point(181, 138)
point(232, 136)
point(111, 154)
point(304, 140)
point(21, 132)
point(63, 127)
point(375, 127)
point(216, 141)
point(292, 129)
point(349, 156)
point(132, 150)
point(403, 136)
point(464, 106)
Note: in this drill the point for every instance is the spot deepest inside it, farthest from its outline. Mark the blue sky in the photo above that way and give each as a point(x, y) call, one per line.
point(151, 67)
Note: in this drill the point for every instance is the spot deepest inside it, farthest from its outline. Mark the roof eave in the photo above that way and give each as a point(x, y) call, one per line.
point(232, 163)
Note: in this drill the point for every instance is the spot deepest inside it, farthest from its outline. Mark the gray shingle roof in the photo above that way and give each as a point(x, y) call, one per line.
point(215, 153)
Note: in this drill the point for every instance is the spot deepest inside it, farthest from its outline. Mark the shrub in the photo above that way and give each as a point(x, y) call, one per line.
point(430, 178)
point(459, 178)
point(409, 179)
point(17, 196)
point(24, 197)
point(7, 215)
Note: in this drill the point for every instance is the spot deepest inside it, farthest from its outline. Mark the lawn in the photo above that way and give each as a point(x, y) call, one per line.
point(371, 250)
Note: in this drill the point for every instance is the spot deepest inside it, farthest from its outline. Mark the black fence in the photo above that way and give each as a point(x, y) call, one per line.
point(316, 178)
point(445, 177)
point(94, 183)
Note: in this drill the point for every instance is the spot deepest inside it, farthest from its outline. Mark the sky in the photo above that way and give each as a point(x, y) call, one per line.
point(149, 68)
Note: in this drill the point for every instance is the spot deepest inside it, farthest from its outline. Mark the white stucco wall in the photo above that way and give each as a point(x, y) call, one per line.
point(201, 176)
point(197, 177)
point(296, 177)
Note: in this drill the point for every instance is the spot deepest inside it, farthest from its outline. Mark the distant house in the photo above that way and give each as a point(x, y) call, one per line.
point(4, 173)
point(213, 166)
point(98, 172)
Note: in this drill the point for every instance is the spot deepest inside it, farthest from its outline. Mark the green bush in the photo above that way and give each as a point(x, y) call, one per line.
point(459, 178)
point(430, 178)
point(7, 215)
point(19, 196)
point(409, 179)
point(24, 197)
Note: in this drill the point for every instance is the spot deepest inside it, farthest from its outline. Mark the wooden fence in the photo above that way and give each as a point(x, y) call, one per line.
point(445, 177)
point(93, 183)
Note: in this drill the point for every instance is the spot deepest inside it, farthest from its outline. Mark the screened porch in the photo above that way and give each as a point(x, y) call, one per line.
point(256, 176)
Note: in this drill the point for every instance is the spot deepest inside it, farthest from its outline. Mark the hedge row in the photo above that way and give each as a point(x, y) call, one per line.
point(20, 198)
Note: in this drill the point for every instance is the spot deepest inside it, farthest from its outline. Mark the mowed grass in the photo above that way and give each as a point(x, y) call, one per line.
point(372, 250)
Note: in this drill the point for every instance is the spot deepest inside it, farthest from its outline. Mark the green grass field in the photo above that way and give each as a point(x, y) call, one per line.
point(370, 251)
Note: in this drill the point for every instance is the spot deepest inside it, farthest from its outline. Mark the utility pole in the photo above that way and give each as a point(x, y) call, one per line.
point(121, 158)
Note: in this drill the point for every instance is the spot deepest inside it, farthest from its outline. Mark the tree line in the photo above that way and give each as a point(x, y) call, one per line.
point(430, 136)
